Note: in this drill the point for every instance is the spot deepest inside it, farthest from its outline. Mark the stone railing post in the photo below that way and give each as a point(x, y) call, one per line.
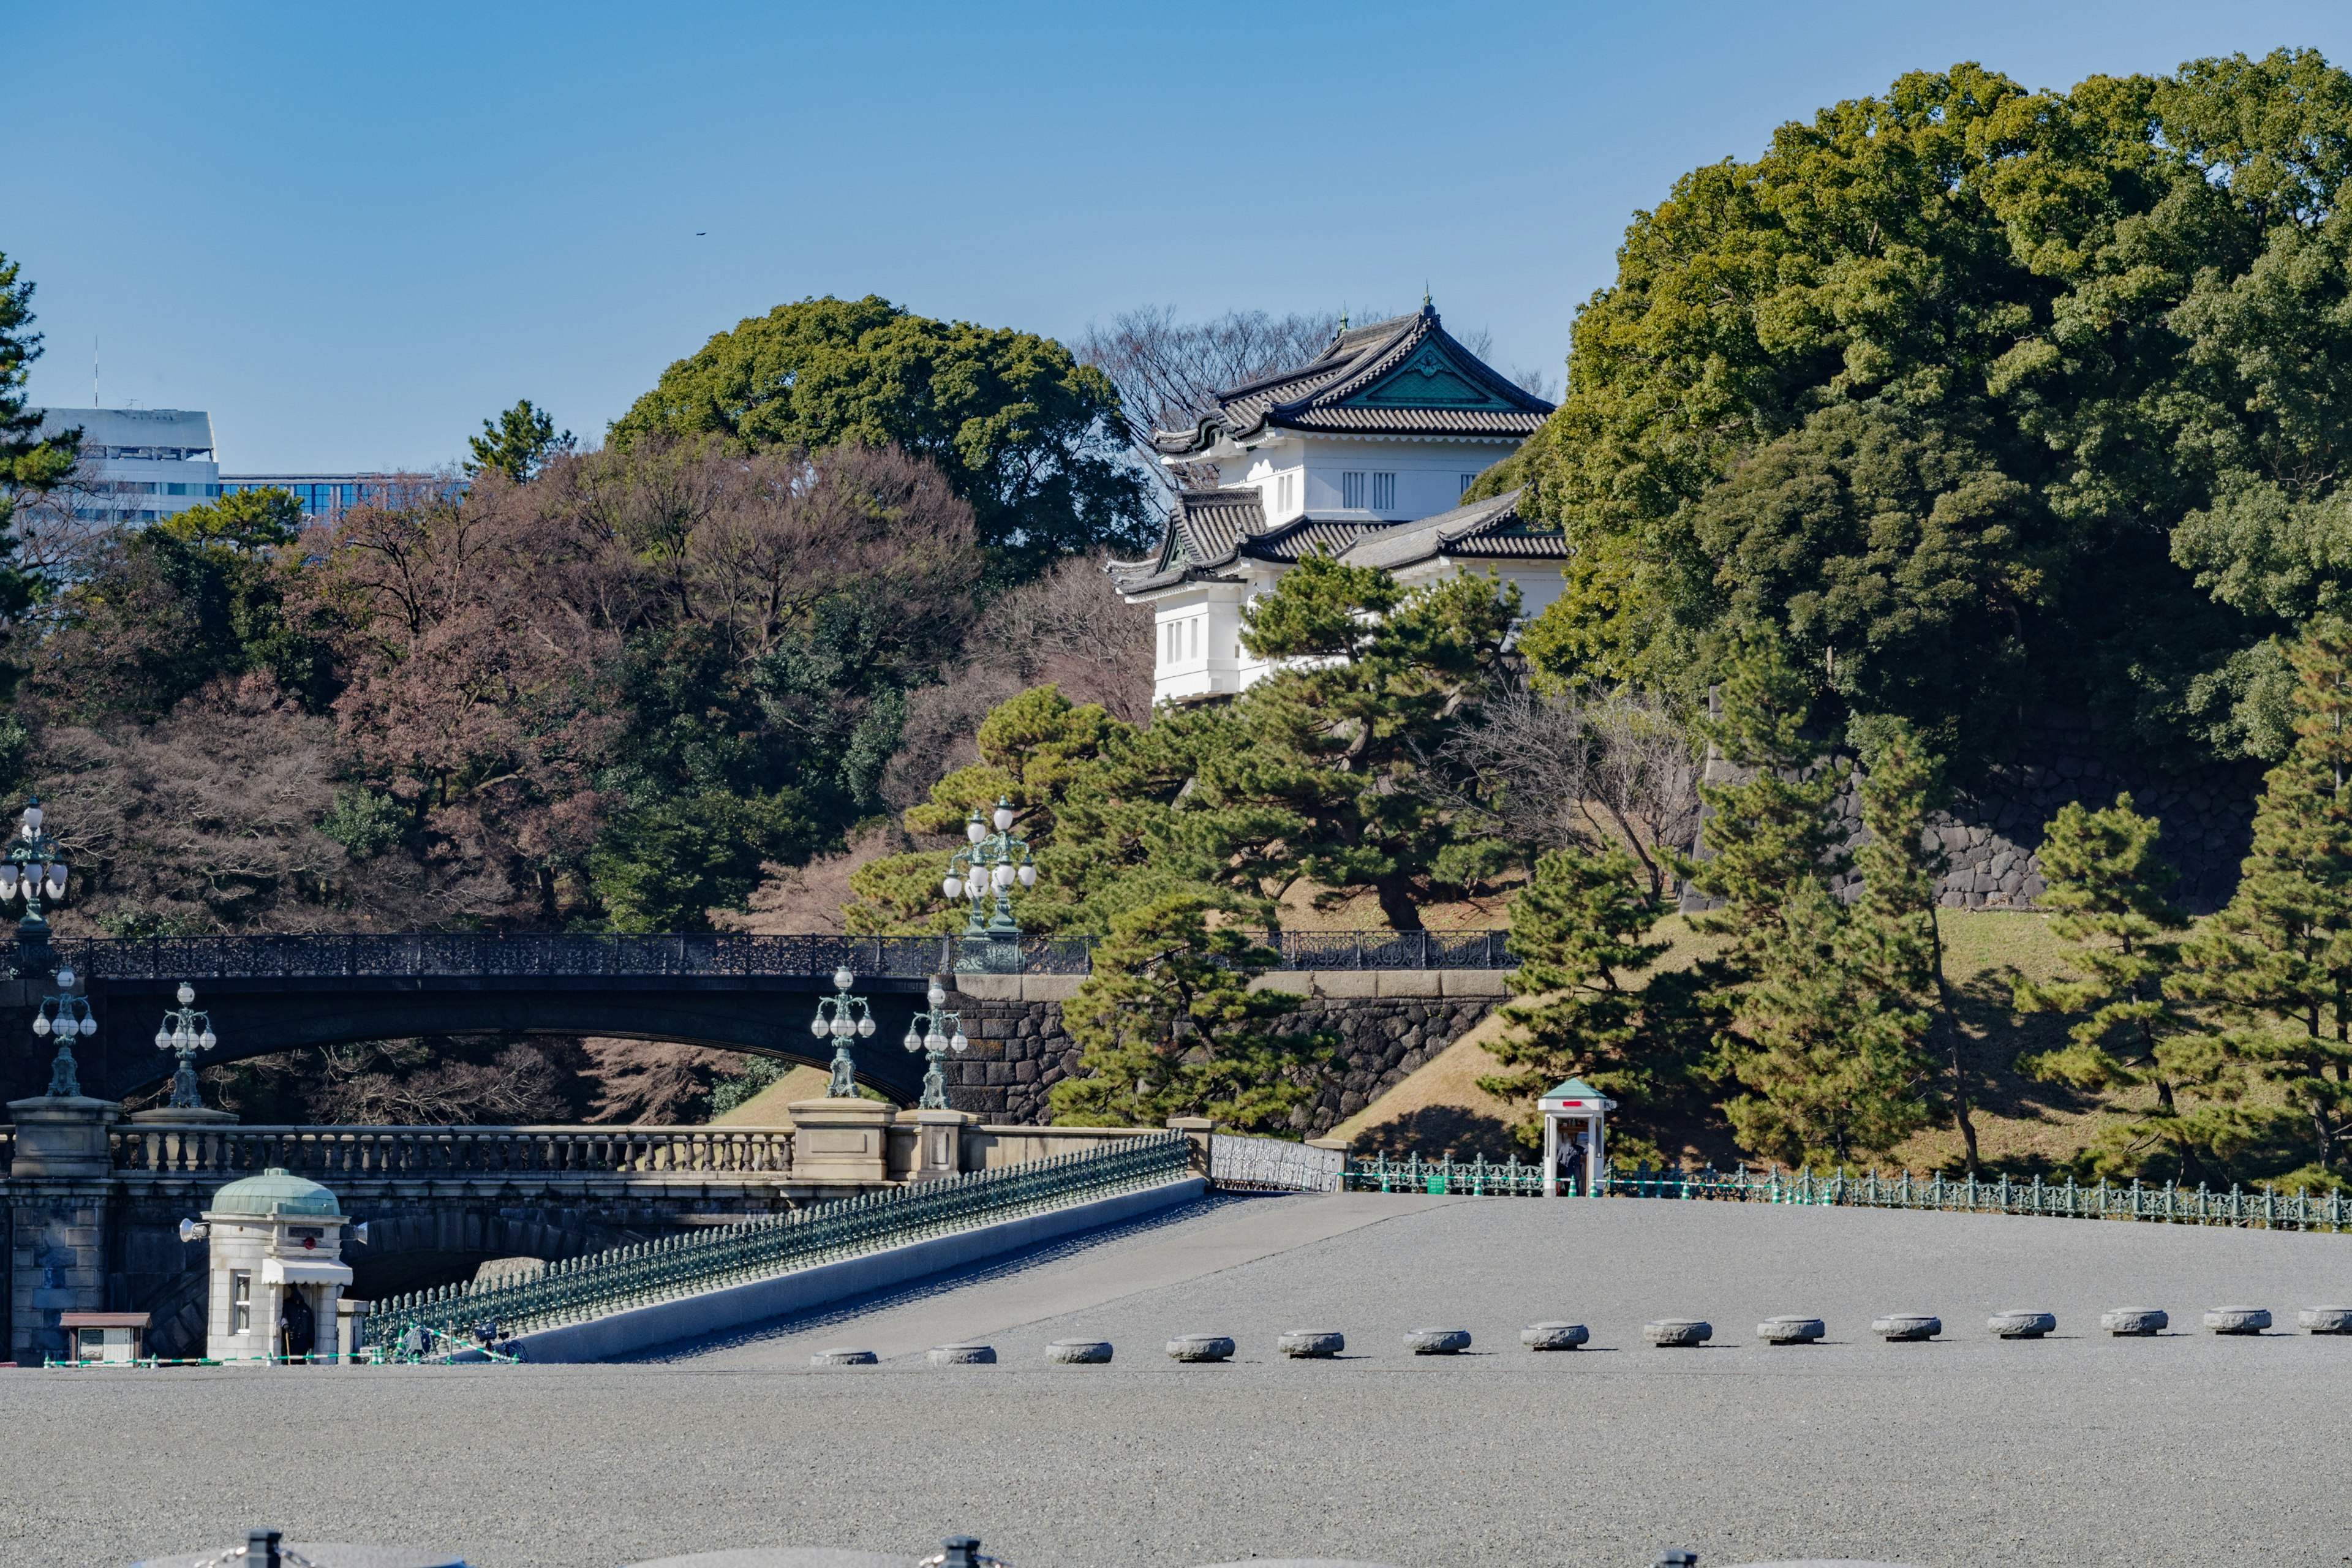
point(939, 1142)
point(1196, 1130)
point(842, 1140)
point(60, 1190)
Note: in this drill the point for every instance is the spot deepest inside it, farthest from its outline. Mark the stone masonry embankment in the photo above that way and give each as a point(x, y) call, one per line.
point(1994, 829)
point(1389, 1023)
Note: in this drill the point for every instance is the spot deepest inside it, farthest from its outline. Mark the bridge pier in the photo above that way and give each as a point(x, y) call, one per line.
point(60, 1196)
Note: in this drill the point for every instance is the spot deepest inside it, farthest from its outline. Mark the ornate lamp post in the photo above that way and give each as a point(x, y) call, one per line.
point(64, 1017)
point(842, 1016)
point(992, 863)
point(933, 1036)
point(189, 1033)
point(33, 867)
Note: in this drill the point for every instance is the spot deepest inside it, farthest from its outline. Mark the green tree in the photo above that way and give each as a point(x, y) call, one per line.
point(2277, 961)
point(1167, 1024)
point(1580, 928)
point(665, 866)
point(1029, 437)
point(1338, 741)
point(207, 594)
point(30, 463)
point(1978, 394)
point(518, 444)
point(1770, 830)
point(1830, 1056)
point(2106, 898)
point(1900, 862)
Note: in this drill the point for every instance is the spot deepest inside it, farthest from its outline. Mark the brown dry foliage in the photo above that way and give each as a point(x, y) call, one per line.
point(208, 820)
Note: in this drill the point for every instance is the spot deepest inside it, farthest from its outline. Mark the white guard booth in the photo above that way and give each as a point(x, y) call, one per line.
point(278, 1271)
point(1575, 1115)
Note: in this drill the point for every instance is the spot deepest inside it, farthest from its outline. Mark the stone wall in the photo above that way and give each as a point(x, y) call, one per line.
point(1019, 1049)
point(1994, 828)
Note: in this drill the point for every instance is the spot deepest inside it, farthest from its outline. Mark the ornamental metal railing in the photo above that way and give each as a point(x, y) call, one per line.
point(426, 1151)
point(709, 955)
point(1273, 1164)
point(605, 1282)
point(2263, 1209)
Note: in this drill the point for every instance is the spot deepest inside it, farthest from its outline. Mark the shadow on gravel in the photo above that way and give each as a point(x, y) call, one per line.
point(1057, 1251)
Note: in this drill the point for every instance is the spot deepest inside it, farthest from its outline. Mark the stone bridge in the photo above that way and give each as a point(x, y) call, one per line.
point(749, 994)
point(438, 1201)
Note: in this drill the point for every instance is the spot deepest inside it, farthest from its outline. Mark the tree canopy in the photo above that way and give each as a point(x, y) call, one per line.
point(1984, 398)
point(1029, 437)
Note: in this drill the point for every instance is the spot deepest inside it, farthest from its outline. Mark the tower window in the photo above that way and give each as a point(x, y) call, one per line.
point(1464, 488)
point(1384, 493)
point(1351, 491)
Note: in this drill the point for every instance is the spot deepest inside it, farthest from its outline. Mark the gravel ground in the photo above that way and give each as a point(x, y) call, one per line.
point(2184, 1449)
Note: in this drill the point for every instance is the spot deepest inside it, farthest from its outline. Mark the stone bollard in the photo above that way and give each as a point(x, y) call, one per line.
point(1312, 1344)
point(2325, 1320)
point(1554, 1336)
point(1438, 1341)
point(1079, 1353)
point(2134, 1322)
point(2238, 1319)
point(844, 1358)
point(1200, 1347)
point(1906, 1327)
point(270, 1548)
point(2021, 1325)
point(1791, 1331)
point(962, 1355)
point(1668, 1333)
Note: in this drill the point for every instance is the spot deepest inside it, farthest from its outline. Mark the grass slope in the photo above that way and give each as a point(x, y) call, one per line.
point(2022, 1125)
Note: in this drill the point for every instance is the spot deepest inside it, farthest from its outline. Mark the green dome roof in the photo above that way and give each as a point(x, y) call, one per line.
point(275, 1191)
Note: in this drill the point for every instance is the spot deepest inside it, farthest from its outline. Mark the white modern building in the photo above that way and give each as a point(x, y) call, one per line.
point(137, 464)
point(1364, 455)
point(141, 464)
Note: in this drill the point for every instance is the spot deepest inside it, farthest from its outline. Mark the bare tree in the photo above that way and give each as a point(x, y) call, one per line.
point(1168, 371)
point(1070, 627)
point(1619, 772)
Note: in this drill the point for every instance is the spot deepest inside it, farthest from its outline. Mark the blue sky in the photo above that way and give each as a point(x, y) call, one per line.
point(352, 232)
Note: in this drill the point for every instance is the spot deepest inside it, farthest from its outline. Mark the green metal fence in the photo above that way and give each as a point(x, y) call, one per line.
point(604, 1283)
point(2265, 1209)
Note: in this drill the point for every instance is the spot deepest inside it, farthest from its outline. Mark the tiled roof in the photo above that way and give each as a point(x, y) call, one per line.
point(1210, 529)
point(1491, 528)
point(1405, 378)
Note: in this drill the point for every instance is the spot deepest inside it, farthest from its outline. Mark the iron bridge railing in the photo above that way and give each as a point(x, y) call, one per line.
point(711, 954)
point(629, 1276)
point(2169, 1203)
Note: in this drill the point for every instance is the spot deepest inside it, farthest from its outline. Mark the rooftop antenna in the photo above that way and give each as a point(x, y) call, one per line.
point(94, 403)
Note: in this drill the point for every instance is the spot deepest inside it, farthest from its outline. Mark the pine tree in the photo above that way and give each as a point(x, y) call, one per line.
point(1167, 1025)
point(1578, 928)
point(1768, 832)
point(2278, 960)
point(1830, 1052)
point(2107, 897)
point(1901, 783)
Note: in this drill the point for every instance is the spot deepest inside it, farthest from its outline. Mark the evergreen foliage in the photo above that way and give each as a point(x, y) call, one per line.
point(1982, 396)
point(2277, 961)
point(1580, 928)
point(1831, 1056)
point(518, 444)
point(1772, 830)
point(2107, 897)
point(1029, 437)
point(1167, 1024)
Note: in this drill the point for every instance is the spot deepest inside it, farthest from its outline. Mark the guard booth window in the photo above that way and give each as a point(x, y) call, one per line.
point(240, 1295)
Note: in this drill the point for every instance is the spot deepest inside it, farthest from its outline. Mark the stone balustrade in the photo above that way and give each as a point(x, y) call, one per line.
point(394, 1152)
